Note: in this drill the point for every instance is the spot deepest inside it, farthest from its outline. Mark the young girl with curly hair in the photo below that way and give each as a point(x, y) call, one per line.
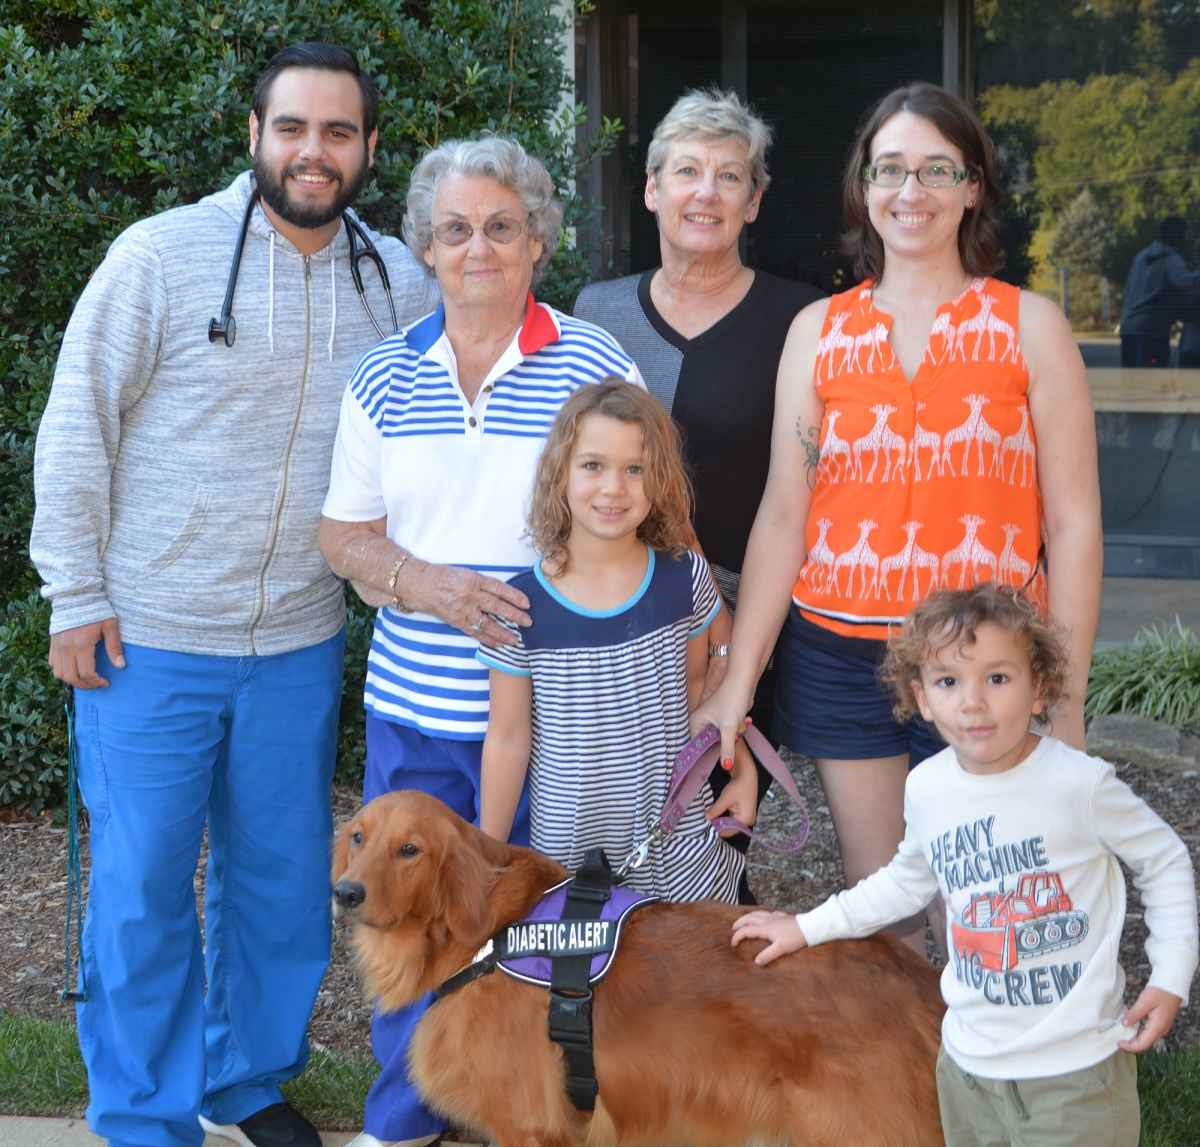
point(593, 700)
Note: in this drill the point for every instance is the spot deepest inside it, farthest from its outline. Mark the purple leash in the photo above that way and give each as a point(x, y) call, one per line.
point(692, 768)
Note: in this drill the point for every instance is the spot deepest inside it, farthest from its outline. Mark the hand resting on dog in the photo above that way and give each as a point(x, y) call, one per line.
point(781, 930)
point(694, 1043)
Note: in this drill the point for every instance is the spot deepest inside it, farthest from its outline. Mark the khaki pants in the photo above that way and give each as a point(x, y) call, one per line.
point(1096, 1107)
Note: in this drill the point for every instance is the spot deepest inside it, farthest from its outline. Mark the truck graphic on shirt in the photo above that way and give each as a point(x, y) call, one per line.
point(998, 928)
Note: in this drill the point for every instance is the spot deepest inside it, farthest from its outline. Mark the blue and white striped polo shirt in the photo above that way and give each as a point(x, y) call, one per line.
point(453, 480)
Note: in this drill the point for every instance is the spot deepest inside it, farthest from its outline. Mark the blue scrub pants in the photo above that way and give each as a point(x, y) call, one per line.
point(246, 745)
point(401, 757)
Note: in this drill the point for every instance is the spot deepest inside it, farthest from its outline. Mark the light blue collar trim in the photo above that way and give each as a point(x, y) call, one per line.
point(579, 609)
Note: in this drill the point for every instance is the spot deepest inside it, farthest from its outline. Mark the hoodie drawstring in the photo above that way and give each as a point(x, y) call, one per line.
point(333, 298)
point(271, 299)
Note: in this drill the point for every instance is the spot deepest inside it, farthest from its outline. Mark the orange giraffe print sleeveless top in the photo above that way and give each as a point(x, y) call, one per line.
point(920, 485)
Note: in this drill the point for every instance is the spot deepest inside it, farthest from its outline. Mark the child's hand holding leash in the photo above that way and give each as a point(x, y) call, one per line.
point(780, 929)
point(1155, 1011)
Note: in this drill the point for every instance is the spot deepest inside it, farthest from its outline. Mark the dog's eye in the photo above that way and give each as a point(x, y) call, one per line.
point(408, 850)
point(356, 838)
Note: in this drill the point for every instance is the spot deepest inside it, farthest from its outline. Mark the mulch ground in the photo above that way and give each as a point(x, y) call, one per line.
point(33, 871)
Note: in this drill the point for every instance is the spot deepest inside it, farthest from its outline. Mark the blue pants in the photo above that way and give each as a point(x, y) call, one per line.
point(246, 745)
point(400, 757)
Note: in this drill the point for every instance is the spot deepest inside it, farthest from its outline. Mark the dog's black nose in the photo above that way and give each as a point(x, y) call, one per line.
point(349, 893)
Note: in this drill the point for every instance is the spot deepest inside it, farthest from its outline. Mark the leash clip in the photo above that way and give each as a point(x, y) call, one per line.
point(641, 854)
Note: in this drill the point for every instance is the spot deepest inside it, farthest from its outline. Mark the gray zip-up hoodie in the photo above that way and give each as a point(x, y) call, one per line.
point(179, 482)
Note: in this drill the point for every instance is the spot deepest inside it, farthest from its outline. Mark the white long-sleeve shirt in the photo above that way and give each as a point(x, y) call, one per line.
point(1027, 863)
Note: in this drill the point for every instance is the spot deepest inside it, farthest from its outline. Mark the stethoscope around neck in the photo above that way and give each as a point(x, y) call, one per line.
point(224, 329)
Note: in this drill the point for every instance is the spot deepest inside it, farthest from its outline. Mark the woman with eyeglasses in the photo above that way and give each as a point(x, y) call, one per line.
point(440, 432)
point(933, 427)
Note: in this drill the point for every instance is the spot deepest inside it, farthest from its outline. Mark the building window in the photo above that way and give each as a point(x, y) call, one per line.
point(810, 67)
point(1094, 108)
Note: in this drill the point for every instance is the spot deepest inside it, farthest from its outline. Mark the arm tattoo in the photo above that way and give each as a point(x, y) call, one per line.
point(810, 442)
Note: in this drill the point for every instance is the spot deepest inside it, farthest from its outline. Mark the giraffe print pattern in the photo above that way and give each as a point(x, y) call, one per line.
point(926, 482)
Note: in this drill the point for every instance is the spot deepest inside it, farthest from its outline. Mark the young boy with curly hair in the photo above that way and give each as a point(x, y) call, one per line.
point(1021, 835)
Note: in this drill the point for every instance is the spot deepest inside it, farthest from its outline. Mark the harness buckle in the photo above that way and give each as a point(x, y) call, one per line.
point(571, 1018)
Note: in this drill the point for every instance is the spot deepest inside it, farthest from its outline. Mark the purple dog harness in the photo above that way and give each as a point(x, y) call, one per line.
point(566, 945)
point(568, 941)
point(527, 949)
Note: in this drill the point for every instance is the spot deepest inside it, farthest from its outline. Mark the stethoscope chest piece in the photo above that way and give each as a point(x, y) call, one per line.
point(223, 328)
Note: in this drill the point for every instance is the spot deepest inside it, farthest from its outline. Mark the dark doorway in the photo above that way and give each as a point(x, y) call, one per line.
point(810, 68)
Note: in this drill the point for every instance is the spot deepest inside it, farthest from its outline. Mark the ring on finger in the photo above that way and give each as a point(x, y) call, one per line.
point(478, 626)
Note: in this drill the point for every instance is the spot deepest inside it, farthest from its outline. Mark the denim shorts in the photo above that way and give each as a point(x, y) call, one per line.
point(829, 702)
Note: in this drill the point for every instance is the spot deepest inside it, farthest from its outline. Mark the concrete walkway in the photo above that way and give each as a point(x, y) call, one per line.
point(21, 1131)
point(1130, 604)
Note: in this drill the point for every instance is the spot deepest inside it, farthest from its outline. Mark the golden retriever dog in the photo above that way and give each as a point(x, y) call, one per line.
point(694, 1042)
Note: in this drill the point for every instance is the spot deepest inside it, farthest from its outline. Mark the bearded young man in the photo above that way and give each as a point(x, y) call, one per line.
point(179, 487)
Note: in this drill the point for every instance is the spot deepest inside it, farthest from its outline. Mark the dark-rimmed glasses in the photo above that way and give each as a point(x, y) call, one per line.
point(501, 229)
point(931, 175)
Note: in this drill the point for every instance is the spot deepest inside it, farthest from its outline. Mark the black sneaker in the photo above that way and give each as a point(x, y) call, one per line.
point(279, 1125)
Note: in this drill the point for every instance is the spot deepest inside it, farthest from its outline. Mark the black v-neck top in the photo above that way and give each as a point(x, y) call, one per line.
point(719, 387)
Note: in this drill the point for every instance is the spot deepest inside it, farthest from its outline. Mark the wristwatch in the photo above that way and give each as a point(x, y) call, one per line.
point(718, 651)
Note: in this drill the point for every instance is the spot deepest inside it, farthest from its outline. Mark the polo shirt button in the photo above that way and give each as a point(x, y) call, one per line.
point(487, 389)
point(473, 422)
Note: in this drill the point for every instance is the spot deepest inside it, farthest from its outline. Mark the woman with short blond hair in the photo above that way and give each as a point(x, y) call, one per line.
point(707, 331)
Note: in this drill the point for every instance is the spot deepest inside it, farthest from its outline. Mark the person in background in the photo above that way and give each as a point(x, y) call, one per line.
point(441, 428)
point(1022, 837)
point(956, 443)
point(179, 486)
point(707, 333)
point(1189, 340)
point(1159, 292)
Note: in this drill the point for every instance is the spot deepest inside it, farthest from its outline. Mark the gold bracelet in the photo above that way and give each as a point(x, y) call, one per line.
point(396, 602)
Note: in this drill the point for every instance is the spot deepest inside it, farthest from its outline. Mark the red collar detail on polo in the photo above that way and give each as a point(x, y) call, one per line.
point(539, 328)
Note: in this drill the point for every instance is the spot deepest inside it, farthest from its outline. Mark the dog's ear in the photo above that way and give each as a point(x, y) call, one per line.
point(341, 852)
point(464, 884)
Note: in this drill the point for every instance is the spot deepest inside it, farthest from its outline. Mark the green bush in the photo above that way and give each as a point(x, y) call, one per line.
point(352, 743)
point(33, 732)
point(1156, 675)
point(111, 110)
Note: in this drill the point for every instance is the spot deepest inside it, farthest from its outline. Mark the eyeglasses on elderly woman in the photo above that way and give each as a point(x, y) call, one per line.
point(931, 175)
point(498, 229)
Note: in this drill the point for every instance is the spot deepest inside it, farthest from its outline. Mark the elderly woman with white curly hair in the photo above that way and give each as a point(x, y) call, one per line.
point(441, 426)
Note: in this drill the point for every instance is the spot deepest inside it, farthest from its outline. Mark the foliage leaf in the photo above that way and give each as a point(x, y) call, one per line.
point(1157, 675)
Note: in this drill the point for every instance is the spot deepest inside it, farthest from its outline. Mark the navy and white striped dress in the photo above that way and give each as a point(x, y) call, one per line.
point(610, 715)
